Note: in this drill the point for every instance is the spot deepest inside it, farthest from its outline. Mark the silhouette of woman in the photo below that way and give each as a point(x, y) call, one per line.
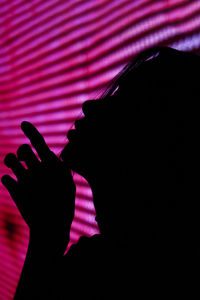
point(137, 147)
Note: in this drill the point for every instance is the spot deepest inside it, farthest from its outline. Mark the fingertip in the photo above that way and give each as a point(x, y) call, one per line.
point(24, 125)
point(21, 150)
point(9, 158)
point(36, 139)
point(4, 179)
point(28, 128)
point(10, 184)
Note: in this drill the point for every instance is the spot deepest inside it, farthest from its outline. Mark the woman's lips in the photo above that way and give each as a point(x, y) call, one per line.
point(71, 134)
point(68, 153)
point(79, 125)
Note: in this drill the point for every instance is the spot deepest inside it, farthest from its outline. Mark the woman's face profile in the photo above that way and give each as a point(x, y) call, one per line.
point(90, 143)
point(93, 152)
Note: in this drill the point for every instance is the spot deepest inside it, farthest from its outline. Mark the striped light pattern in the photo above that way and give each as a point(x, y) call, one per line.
point(54, 55)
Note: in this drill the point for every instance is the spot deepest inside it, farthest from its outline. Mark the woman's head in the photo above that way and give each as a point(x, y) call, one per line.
point(137, 144)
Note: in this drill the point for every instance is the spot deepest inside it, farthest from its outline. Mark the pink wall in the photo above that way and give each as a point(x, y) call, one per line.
point(54, 55)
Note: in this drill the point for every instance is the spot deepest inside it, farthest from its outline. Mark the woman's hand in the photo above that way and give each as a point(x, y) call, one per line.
point(44, 192)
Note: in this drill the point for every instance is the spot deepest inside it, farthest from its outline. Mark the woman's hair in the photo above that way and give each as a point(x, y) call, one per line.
point(131, 66)
point(157, 98)
point(179, 61)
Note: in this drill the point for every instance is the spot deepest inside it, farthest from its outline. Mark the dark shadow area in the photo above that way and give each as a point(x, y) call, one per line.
point(138, 148)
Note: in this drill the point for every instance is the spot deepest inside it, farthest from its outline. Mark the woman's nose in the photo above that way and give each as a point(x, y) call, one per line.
point(90, 106)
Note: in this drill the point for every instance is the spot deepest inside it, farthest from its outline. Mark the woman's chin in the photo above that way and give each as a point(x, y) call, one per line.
point(72, 159)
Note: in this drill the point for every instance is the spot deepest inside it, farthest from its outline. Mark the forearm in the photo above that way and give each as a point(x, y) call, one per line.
point(40, 274)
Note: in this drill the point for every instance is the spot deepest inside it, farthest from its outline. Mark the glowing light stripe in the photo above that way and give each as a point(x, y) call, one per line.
point(50, 65)
point(188, 43)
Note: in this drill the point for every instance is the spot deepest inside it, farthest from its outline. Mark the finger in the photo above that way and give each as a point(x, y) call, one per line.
point(26, 154)
point(13, 163)
point(36, 140)
point(11, 185)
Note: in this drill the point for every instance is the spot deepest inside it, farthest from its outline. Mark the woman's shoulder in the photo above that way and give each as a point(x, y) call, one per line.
point(85, 243)
point(83, 264)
